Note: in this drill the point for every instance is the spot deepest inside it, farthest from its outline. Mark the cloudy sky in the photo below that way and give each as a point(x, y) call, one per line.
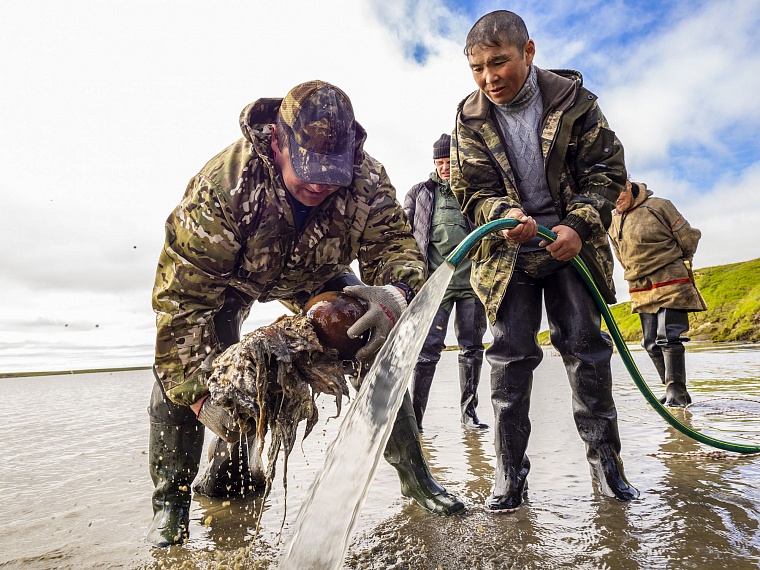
point(109, 108)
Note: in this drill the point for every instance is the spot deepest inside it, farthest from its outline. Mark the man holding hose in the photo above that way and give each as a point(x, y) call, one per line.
point(533, 145)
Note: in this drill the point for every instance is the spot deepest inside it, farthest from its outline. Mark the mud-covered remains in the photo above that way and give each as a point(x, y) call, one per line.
point(273, 376)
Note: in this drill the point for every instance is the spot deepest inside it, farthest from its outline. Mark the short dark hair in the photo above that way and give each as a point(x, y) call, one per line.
point(498, 28)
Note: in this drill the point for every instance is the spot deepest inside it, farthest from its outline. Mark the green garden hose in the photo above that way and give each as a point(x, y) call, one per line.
point(459, 254)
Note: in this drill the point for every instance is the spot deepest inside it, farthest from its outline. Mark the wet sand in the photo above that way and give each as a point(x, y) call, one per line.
point(78, 491)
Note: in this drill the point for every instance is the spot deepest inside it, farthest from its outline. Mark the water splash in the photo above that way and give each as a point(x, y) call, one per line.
point(328, 515)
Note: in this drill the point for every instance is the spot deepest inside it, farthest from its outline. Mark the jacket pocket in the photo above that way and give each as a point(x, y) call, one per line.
point(602, 150)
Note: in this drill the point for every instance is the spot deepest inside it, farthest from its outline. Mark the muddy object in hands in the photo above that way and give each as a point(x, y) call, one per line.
point(273, 376)
point(332, 314)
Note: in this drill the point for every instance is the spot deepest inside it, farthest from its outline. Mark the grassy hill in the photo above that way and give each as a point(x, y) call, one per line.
point(732, 294)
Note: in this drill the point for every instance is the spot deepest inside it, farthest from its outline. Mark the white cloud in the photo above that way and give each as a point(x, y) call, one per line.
point(687, 85)
point(110, 108)
point(728, 218)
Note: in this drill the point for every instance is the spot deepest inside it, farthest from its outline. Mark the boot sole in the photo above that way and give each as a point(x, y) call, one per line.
point(502, 510)
point(474, 427)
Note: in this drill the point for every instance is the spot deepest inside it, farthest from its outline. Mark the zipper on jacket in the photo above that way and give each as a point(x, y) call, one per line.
point(558, 205)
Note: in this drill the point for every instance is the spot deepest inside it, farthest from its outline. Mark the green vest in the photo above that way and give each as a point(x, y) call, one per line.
point(448, 227)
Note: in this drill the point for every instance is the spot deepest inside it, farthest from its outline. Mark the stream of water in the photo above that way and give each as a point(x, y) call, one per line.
point(323, 528)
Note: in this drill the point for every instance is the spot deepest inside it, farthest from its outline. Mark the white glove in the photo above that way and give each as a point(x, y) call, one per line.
point(386, 304)
point(220, 421)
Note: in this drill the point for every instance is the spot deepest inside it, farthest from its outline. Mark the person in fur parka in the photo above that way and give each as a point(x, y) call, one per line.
point(655, 246)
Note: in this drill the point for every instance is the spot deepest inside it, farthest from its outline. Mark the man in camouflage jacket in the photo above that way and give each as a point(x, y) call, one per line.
point(278, 215)
point(533, 145)
point(656, 245)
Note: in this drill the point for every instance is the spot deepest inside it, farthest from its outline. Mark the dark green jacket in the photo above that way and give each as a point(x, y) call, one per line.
point(585, 172)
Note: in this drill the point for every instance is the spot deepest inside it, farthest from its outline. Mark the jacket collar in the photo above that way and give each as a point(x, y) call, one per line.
point(559, 89)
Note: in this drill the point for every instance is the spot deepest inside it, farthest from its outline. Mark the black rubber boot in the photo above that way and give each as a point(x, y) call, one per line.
point(659, 364)
point(607, 471)
point(174, 454)
point(587, 362)
point(676, 395)
point(404, 452)
point(509, 487)
point(469, 379)
point(230, 473)
point(649, 342)
point(421, 383)
point(513, 355)
point(511, 403)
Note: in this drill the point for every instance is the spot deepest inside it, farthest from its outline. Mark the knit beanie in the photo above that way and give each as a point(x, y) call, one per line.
point(441, 147)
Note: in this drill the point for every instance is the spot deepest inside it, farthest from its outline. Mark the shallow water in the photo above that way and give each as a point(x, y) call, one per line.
point(77, 487)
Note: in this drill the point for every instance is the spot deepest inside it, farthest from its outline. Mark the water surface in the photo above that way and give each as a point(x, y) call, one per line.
point(78, 491)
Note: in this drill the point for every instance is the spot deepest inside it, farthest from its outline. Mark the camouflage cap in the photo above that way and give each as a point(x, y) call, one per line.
point(321, 133)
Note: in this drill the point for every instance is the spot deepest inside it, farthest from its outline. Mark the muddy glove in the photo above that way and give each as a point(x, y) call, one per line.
point(386, 304)
point(220, 421)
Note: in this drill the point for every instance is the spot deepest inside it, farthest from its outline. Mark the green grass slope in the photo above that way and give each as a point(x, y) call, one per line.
point(732, 294)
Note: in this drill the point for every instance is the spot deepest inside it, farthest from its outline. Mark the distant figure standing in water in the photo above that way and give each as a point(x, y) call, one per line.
point(278, 215)
point(533, 145)
point(439, 226)
point(655, 246)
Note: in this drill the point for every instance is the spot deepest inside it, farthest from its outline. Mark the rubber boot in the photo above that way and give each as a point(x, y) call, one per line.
point(174, 455)
point(421, 383)
point(676, 395)
point(469, 379)
point(513, 355)
point(659, 364)
point(586, 357)
point(230, 473)
point(649, 342)
point(404, 452)
point(607, 471)
point(509, 488)
point(511, 403)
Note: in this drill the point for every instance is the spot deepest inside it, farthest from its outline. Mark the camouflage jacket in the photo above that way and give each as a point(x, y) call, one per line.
point(656, 245)
point(585, 170)
point(234, 228)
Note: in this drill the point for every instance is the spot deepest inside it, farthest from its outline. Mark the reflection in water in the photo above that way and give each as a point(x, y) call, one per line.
point(480, 467)
point(223, 520)
point(77, 490)
point(703, 520)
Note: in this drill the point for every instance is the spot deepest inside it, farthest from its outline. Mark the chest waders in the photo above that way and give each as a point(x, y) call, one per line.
point(459, 254)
